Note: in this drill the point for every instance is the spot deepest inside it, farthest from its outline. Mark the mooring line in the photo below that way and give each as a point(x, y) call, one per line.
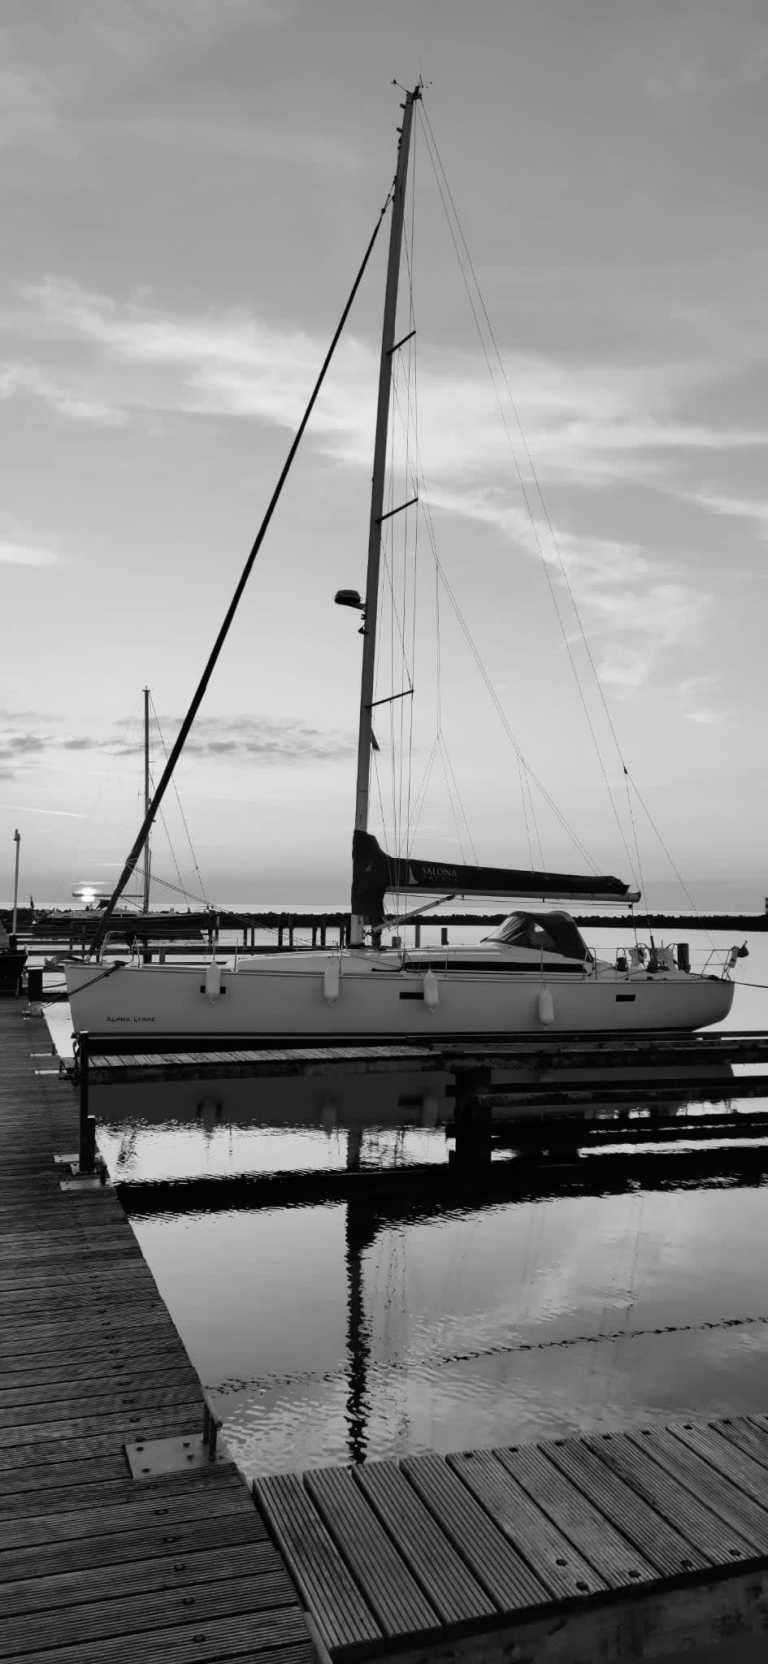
point(265, 1383)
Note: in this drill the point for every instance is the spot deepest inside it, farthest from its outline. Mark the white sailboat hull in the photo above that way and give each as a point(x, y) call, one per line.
point(294, 998)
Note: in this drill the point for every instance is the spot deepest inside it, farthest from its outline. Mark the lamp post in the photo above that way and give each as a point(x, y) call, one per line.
point(17, 841)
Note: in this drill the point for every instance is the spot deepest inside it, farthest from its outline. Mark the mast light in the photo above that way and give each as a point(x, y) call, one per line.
point(349, 598)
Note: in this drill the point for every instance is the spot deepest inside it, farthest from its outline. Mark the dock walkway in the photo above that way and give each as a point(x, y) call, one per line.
point(97, 1567)
point(651, 1544)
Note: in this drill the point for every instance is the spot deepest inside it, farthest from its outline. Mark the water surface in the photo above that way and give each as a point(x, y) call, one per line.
point(327, 1333)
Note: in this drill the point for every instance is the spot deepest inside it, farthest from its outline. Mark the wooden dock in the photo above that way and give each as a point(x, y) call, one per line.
point(96, 1566)
point(124, 1537)
point(651, 1544)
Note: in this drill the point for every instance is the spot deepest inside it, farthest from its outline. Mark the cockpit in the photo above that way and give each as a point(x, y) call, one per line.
point(544, 932)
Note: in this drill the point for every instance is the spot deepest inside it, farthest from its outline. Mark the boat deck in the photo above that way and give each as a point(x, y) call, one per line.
point(646, 1544)
point(96, 1566)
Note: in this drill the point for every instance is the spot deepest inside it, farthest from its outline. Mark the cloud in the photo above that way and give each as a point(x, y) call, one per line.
point(263, 738)
point(619, 589)
point(738, 508)
point(15, 746)
point(591, 424)
point(35, 809)
point(18, 379)
point(26, 102)
point(26, 554)
point(705, 718)
point(236, 738)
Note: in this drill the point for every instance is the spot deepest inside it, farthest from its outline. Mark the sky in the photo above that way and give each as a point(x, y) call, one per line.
point(187, 190)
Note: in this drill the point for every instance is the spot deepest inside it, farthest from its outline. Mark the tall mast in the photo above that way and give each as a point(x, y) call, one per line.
point(147, 855)
point(365, 726)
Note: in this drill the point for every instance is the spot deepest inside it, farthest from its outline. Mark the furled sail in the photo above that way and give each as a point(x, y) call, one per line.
point(374, 872)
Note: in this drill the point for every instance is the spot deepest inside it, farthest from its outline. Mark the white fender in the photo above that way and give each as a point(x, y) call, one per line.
point(431, 990)
point(212, 981)
point(332, 981)
point(545, 1010)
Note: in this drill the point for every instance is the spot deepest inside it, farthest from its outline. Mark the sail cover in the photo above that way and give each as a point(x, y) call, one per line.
point(374, 872)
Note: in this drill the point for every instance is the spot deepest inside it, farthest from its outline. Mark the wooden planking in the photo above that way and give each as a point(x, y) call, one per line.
point(48, 1475)
point(254, 1638)
point(133, 1424)
point(389, 1588)
point(39, 1382)
point(700, 1524)
point(563, 1571)
point(170, 1570)
point(63, 1499)
point(443, 1575)
point(94, 1565)
point(607, 1525)
point(596, 1519)
point(79, 1627)
point(166, 1503)
point(704, 1482)
point(49, 1452)
point(332, 1596)
point(737, 1467)
point(53, 1405)
point(747, 1435)
point(119, 1547)
point(663, 1547)
point(499, 1568)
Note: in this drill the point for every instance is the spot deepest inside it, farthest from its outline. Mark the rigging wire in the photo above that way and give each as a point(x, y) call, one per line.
point(463, 254)
point(202, 685)
point(460, 813)
point(630, 783)
point(179, 890)
point(184, 823)
point(503, 718)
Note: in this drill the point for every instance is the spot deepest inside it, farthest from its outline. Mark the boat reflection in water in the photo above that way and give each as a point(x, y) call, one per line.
point(178, 1130)
point(335, 1319)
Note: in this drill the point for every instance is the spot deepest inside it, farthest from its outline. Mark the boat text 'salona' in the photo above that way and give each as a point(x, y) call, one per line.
point(533, 974)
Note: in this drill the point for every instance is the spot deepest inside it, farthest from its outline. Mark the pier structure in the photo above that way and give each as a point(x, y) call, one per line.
point(126, 1532)
point(534, 1095)
point(645, 1544)
point(179, 933)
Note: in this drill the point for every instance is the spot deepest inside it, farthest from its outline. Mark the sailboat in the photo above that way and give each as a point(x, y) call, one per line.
point(534, 974)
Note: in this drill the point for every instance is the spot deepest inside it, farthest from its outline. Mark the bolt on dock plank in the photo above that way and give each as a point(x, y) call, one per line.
point(638, 1545)
point(97, 1567)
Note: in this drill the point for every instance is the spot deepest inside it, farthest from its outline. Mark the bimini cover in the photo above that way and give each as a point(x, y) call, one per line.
point(374, 873)
point(547, 932)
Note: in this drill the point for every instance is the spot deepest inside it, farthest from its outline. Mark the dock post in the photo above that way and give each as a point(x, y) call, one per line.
point(417, 935)
point(211, 1428)
point(279, 936)
point(472, 1119)
point(444, 936)
point(87, 1122)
